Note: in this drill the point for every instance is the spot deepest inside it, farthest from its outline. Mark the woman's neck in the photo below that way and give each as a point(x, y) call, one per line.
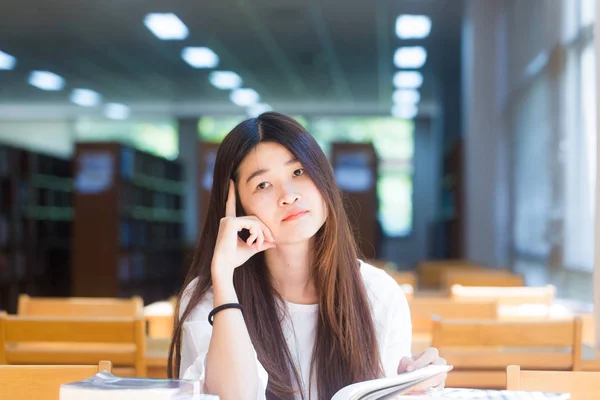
point(289, 266)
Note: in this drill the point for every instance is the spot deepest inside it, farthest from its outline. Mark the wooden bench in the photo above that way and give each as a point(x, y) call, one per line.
point(403, 277)
point(481, 277)
point(157, 356)
point(430, 272)
point(71, 340)
point(517, 303)
point(510, 296)
point(80, 306)
point(381, 263)
point(481, 350)
point(42, 382)
point(422, 311)
point(581, 385)
point(408, 290)
point(589, 330)
point(160, 318)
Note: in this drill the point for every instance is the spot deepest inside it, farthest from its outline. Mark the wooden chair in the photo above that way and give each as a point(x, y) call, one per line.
point(430, 272)
point(80, 307)
point(409, 291)
point(581, 385)
point(157, 354)
point(482, 277)
point(422, 311)
point(42, 382)
point(77, 341)
point(513, 296)
point(589, 329)
point(382, 264)
point(403, 277)
point(481, 350)
point(160, 318)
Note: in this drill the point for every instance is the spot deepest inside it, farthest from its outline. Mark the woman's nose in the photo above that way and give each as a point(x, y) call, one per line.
point(289, 197)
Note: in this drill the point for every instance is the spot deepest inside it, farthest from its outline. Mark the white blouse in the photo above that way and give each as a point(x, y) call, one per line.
point(391, 316)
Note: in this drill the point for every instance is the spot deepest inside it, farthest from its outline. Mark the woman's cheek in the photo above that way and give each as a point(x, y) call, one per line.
point(263, 208)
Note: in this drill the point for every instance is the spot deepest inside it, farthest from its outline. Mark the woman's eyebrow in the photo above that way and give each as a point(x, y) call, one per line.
point(261, 171)
point(256, 173)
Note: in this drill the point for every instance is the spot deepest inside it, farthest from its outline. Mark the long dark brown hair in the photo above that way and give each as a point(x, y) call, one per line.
point(346, 349)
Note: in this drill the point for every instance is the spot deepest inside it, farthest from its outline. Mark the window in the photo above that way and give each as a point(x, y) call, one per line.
point(532, 172)
point(156, 137)
point(393, 140)
point(394, 143)
point(587, 12)
point(580, 168)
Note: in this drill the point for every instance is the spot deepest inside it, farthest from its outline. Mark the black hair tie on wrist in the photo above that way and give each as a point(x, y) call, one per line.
point(222, 307)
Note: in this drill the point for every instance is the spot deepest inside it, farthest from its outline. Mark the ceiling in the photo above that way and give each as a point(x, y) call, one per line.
point(310, 56)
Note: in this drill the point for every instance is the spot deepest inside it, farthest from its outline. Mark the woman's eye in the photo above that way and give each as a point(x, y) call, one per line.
point(263, 185)
point(299, 171)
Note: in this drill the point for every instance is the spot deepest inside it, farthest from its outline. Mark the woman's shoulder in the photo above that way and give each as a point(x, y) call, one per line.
point(203, 308)
point(381, 287)
point(373, 276)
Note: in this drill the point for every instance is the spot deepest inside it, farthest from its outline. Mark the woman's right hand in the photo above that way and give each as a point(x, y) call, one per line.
point(231, 251)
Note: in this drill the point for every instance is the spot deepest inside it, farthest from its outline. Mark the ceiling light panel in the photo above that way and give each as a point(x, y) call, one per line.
point(413, 26)
point(46, 80)
point(200, 57)
point(166, 26)
point(413, 57)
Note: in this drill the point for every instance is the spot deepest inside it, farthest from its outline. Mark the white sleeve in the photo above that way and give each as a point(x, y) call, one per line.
point(398, 340)
point(195, 341)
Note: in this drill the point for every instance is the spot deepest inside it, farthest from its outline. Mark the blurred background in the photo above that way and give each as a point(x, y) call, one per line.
point(457, 129)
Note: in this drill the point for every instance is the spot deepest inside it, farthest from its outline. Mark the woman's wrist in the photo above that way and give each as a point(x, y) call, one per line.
point(223, 289)
point(221, 272)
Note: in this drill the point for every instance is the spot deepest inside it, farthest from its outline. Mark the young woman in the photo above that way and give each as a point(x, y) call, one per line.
point(277, 304)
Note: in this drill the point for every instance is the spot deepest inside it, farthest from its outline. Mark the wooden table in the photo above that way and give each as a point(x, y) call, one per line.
point(158, 350)
point(160, 319)
point(590, 358)
point(422, 340)
point(157, 354)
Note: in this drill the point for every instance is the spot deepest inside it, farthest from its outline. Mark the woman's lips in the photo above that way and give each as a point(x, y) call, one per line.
point(295, 216)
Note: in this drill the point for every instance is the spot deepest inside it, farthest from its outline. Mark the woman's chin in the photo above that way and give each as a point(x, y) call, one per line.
point(290, 242)
point(293, 239)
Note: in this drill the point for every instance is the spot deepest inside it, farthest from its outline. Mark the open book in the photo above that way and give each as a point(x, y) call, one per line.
point(387, 388)
point(105, 386)
point(397, 387)
point(482, 394)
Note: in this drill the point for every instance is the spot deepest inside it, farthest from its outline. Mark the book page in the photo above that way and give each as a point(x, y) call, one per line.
point(356, 391)
point(481, 394)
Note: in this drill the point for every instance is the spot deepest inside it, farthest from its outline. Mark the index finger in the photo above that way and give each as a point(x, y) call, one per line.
point(424, 359)
point(230, 203)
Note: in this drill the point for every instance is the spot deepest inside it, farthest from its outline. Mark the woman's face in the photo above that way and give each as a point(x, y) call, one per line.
point(274, 187)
